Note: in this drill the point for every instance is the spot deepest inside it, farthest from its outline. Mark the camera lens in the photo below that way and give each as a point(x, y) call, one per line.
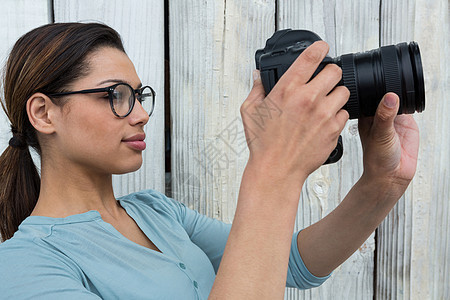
point(369, 75)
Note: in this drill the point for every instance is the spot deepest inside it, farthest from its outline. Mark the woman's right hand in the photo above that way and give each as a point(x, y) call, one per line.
point(290, 133)
point(294, 129)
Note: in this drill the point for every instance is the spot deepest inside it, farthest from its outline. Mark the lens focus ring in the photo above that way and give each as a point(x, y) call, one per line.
point(349, 79)
point(392, 76)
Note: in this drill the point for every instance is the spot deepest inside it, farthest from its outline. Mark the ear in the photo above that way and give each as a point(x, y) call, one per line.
point(41, 113)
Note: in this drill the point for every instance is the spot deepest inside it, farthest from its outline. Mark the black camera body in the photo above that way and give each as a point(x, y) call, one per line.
point(281, 50)
point(368, 75)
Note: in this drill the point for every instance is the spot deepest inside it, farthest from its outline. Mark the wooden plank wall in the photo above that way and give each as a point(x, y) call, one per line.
point(414, 241)
point(211, 53)
point(335, 21)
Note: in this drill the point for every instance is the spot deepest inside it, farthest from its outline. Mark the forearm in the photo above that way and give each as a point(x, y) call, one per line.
point(328, 243)
point(254, 264)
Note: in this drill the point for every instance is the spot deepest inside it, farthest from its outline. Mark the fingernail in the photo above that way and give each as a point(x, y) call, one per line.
point(390, 100)
point(255, 75)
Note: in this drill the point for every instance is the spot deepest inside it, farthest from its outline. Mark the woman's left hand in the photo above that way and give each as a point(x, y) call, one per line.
point(390, 144)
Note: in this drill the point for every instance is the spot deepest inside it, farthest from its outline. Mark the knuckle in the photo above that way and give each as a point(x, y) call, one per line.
point(333, 130)
point(337, 128)
point(325, 114)
point(383, 116)
point(244, 107)
point(315, 52)
point(309, 100)
point(312, 55)
point(335, 69)
point(343, 92)
point(346, 91)
point(345, 114)
point(312, 92)
point(281, 89)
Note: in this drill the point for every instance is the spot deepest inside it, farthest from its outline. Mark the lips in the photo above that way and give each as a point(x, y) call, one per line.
point(136, 141)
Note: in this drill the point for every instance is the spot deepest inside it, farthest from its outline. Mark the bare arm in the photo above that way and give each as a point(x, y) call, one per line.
point(390, 145)
point(326, 244)
point(284, 150)
point(254, 264)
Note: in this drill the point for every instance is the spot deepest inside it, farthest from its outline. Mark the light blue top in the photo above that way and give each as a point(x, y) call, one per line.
point(83, 257)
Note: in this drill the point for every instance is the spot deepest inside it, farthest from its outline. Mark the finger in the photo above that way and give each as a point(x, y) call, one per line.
point(342, 117)
point(337, 98)
point(327, 79)
point(383, 121)
point(257, 92)
point(306, 64)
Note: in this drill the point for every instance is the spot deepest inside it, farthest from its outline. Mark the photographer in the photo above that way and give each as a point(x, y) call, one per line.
point(72, 93)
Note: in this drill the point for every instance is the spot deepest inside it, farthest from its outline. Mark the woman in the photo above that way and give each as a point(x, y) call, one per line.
point(72, 93)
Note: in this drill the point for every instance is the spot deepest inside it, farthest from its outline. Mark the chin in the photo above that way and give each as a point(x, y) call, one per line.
point(124, 169)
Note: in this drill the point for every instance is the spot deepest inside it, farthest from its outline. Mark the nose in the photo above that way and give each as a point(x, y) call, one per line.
point(138, 115)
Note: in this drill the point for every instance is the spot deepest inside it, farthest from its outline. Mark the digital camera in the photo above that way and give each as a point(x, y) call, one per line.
point(368, 75)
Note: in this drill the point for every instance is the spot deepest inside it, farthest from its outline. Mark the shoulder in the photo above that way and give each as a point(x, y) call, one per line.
point(27, 251)
point(26, 259)
point(155, 201)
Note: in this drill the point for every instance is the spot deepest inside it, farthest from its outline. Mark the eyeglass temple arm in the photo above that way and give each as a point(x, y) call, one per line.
point(82, 92)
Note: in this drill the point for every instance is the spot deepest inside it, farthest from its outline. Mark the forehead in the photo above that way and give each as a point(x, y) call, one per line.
point(109, 63)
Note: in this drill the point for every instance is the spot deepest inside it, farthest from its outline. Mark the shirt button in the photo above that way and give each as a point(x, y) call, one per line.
point(196, 284)
point(182, 266)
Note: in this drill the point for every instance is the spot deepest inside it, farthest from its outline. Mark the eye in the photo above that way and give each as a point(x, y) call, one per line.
point(104, 96)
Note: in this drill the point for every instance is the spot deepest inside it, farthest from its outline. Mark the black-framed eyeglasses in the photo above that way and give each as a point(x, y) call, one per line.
point(122, 97)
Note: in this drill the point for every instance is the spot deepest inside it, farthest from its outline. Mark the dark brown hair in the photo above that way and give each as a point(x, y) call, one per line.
point(46, 60)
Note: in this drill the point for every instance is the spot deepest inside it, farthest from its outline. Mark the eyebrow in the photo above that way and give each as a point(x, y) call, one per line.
point(118, 81)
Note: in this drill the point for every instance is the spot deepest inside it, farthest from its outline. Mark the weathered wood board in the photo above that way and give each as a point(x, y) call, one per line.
point(347, 26)
point(212, 48)
point(413, 259)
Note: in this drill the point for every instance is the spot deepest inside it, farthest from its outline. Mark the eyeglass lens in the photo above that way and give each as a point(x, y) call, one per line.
point(123, 99)
point(147, 99)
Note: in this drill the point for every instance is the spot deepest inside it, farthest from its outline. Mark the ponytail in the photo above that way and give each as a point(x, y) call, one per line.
point(19, 188)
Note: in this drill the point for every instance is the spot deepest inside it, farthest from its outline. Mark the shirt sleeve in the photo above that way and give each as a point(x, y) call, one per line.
point(211, 236)
point(38, 275)
point(298, 275)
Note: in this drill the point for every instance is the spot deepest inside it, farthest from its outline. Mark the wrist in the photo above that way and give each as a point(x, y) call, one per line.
point(268, 185)
point(268, 169)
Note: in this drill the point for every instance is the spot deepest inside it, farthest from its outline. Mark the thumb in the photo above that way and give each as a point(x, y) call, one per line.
point(383, 121)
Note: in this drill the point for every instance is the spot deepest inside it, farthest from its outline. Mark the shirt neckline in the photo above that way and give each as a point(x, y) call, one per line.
point(88, 216)
point(94, 215)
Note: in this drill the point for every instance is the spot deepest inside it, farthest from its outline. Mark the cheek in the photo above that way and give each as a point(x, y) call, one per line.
point(94, 139)
point(93, 133)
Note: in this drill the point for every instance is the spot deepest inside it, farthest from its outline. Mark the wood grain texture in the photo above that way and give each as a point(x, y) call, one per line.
point(347, 26)
point(212, 46)
point(141, 25)
point(414, 245)
point(18, 17)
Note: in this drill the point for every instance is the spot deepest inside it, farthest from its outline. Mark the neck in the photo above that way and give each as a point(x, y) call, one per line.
point(67, 190)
